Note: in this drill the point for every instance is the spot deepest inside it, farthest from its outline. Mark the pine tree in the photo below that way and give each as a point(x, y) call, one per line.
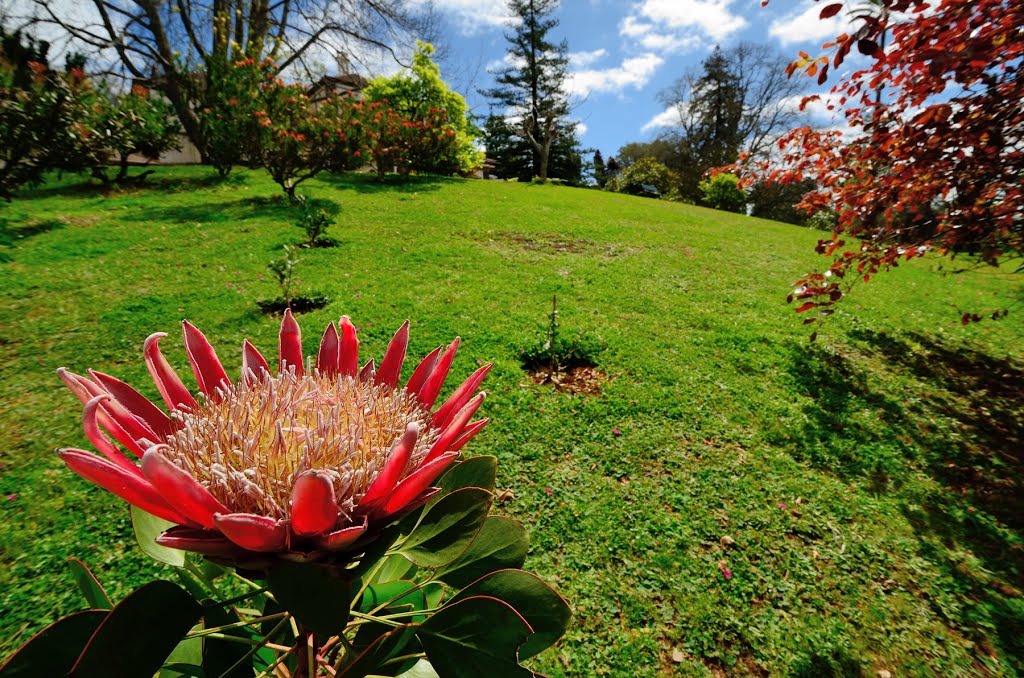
point(600, 172)
point(709, 133)
point(534, 85)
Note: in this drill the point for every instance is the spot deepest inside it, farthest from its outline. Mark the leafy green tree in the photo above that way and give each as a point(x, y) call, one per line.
point(722, 192)
point(643, 172)
point(227, 121)
point(662, 150)
point(533, 87)
point(423, 98)
point(779, 201)
point(513, 156)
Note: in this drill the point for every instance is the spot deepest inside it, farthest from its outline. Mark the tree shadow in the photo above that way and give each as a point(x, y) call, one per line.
point(984, 396)
point(12, 232)
point(277, 207)
point(76, 184)
point(955, 414)
point(364, 182)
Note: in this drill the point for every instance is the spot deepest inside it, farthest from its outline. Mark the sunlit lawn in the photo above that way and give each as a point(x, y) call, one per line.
point(871, 482)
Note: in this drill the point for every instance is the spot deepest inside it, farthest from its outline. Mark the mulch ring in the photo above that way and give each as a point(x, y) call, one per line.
point(582, 380)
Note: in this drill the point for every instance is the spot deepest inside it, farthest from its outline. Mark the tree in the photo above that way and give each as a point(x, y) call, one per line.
point(644, 172)
point(739, 100)
point(116, 127)
point(663, 150)
point(293, 139)
point(722, 192)
point(710, 106)
point(179, 47)
point(600, 172)
point(513, 156)
point(419, 97)
point(34, 112)
point(935, 163)
point(533, 87)
point(779, 201)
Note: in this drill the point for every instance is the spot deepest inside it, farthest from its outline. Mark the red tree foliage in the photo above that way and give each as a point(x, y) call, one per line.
point(936, 159)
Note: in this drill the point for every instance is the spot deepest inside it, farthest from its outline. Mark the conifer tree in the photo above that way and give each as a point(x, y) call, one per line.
point(533, 86)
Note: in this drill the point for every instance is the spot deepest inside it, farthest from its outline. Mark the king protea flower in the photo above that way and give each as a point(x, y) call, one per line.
point(301, 463)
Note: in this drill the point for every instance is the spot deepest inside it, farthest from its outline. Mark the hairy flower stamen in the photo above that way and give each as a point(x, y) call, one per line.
point(247, 446)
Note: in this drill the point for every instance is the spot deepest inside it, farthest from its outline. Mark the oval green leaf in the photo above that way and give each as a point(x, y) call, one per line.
point(140, 632)
point(474, 637)
point(447, 528)
point(89, 585)
point(54, 650)
point(147, 528)
point(539, 604)
point(500, 544)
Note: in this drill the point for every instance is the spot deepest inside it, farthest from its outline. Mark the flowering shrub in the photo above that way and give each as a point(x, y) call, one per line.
point(335, 494)
point(440, 137)
point(34, 112)
point(274, 125)
point(116, 126)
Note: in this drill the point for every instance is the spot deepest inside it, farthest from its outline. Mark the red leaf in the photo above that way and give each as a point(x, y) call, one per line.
point(805, 307)
point(829, 11)
point(868, 47)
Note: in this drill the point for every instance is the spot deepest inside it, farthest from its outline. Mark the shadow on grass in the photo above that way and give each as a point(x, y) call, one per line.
point(276, 207)
point(364, 182)
point(75, 184)
point(12, 232)
point(955, 415)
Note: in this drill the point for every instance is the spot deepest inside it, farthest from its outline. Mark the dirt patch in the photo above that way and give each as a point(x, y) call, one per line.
point(583, 380)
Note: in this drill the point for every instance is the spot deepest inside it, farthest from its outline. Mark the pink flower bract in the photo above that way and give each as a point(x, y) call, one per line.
point(303, 462)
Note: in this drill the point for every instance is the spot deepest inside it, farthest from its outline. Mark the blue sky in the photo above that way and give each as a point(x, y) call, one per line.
point(624, 52)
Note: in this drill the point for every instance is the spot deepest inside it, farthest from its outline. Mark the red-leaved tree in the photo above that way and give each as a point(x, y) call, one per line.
point(934, 160)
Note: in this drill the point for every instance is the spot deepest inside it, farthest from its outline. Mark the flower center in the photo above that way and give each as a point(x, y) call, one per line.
point(248, 446)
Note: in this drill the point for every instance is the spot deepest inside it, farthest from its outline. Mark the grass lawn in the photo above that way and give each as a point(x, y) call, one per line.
point(870, 483)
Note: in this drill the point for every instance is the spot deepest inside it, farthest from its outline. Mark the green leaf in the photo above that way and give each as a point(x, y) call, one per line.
point(396, 566)
point(477, 636)
point(186, 659)
point(391, 593)
point(502, 543)
point(175, 669)
point(220, 655)
point(147, 528)
point(54, 650)
point(382, 649)
point(473, 472)
point(319, 595)
point(421, 669)
point(89, 585)
point(140, 632)
point(447, 528)
point(539, 604)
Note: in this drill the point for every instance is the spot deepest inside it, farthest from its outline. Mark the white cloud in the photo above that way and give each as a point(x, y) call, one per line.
point(633, 72)
point(807, 26)
point(584, 59)
point(472, 16)
point(711, 17)
point(667, 118)
point(581, 128)
point(674, 26)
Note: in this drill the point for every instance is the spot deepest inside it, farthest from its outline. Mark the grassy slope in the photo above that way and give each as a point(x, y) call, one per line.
point(870, 481)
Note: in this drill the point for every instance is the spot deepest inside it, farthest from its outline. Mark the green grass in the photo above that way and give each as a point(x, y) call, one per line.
point(871, 481)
